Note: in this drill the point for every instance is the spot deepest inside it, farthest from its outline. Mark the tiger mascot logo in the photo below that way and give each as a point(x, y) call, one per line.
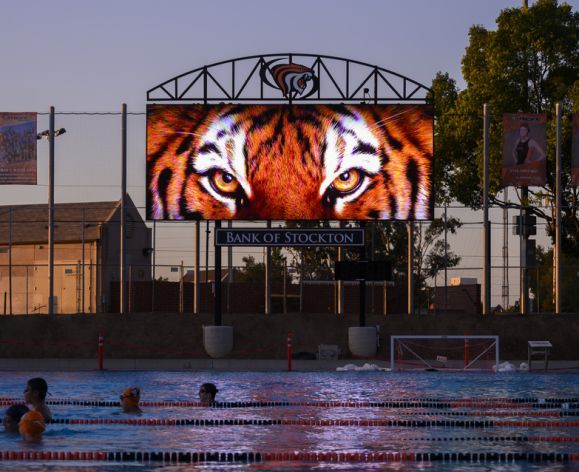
point(284, 162)
point(292, 79)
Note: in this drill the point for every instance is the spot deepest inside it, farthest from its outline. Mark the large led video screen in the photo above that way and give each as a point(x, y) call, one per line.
point(289, 162)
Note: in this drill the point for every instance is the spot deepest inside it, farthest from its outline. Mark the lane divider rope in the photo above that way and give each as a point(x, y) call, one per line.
point(421, 423)
point(172, 457)
point(490, 414)
point(436, 400)
point(317, 404)
point(560, 439)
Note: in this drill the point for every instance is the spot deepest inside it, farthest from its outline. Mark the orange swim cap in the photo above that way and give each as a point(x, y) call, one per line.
point(32, 424)
point(131, 395)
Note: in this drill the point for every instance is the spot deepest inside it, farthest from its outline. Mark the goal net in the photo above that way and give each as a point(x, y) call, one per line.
point(444, 352)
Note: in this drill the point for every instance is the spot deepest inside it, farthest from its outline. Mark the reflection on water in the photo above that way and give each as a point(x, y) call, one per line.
point(291, 386)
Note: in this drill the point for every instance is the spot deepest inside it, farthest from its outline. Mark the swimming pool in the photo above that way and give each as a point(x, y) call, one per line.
point(416, 427)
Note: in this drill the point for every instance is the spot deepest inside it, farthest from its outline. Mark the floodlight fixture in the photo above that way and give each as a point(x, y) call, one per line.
point(46, 133)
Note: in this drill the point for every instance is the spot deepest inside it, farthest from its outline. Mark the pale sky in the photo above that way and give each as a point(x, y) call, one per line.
point(82, 56)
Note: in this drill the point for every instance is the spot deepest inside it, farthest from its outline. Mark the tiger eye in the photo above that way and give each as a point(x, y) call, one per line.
point(347, 181)
point(225, 182)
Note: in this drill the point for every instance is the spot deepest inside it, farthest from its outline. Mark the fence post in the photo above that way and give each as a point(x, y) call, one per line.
point(284, 287)
point(289, 352)
point(181, 287)
point(101, 350)
point(130, 295)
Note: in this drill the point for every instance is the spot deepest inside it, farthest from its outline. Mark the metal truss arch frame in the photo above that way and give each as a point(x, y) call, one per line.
point(341, 80)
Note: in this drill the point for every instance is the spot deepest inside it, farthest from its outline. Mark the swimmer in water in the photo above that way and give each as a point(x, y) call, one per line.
point(35, 395)
point(130, 400)
point(207, 393)
point(12, 417)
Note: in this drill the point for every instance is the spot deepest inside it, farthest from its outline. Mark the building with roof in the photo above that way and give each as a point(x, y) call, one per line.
point(86, 256)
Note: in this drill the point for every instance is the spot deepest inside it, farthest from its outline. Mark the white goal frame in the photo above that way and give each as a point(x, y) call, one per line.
point(494, 343)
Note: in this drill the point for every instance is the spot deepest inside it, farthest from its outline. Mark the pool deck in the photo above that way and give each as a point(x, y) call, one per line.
point(226, 365)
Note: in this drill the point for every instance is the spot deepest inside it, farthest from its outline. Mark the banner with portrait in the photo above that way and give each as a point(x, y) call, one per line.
point(17, 148)
point(575, 153)
point(524, 160)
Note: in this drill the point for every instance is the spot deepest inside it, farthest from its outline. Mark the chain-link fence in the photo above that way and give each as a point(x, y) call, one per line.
point(163, 271)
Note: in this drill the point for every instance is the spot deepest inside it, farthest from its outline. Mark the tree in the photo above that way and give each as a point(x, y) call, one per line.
point(527, 65)
point(541, 281)
point(312, 263)
point(254, 272)
point(385, 240)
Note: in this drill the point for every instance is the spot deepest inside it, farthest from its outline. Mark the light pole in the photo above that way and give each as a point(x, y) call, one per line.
point(50, 134)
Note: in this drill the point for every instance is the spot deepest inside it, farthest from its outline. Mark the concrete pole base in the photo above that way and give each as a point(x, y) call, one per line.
point(362, 341)
point(218, 340)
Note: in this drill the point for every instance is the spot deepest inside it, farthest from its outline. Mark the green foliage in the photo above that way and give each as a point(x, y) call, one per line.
point(541, 281)
point(530, 62)
point(312, 263)
point(254, 272)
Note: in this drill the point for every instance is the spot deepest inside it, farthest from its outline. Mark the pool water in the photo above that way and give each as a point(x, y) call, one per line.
point(296, 387)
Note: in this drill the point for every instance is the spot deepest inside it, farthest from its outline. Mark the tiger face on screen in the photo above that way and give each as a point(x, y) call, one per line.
point(269, 162)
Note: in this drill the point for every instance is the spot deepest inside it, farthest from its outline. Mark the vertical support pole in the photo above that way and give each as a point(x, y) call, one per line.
point(391, 353)
point(26, 289)
point(445, 257)
point(285, 287)
point(340, 307)
point(229, 270)
point(181, 287)
point(268, 278)
point(385, 297)
point(410, 269)
point(207, 233)
point(154, 266)
point(362, 320)
point(123, 289)
point(217, 308)
point(301, 283)
point(196, 294)
point(524, 289)
point(486, 223)
point(78, 281)
point(289, 352)
point(101, 349)
point(82, 262)
point(130, 290)
point(558, 214)
point(51, 214)
point(10, 260)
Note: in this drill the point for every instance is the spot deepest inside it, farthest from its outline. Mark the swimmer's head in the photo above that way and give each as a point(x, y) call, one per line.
point(130, 398)
point(35, 390)
point(32, 426)
point(207, 392)
point(12, 417)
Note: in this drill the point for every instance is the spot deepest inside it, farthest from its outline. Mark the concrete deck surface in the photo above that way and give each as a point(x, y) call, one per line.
point(232, 365)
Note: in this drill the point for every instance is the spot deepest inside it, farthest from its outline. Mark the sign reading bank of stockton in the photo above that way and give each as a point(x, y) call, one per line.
point(289, 237)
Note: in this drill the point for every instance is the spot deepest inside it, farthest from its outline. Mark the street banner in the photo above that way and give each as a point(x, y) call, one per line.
point(17, 148)
point(524, 139)
point(575, 153)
